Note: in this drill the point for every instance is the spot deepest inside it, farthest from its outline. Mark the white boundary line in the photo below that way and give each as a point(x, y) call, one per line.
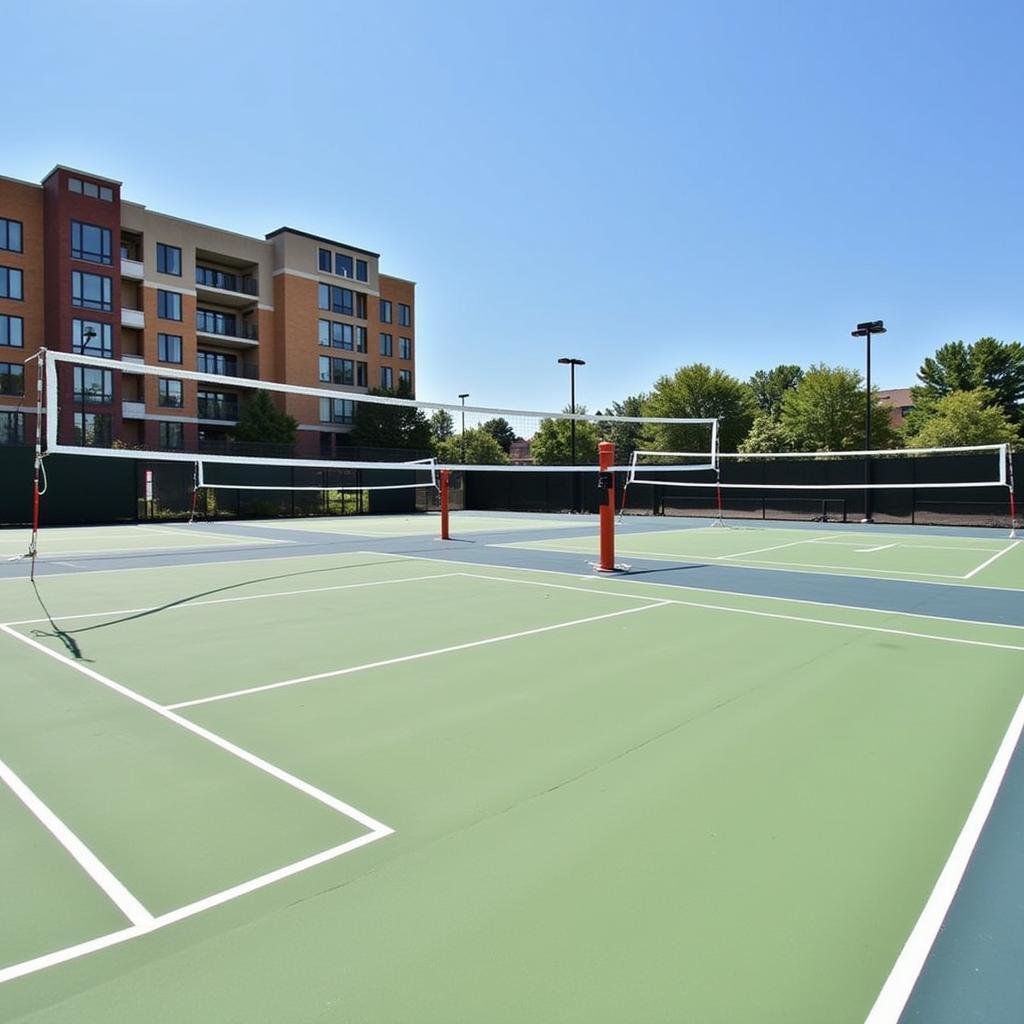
point(376, 829)
point(989, 561)
point(184, 605)
point(422, 654)
point(186, 529)
point(857, 572)
point(128, 904)
point(85, 570)
point(775, 547)
point(895, 993)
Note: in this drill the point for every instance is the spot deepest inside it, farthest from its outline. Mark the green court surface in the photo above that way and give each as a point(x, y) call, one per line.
point(983, 561)
point(430, 525)
point(68, 541)
point(367, 787)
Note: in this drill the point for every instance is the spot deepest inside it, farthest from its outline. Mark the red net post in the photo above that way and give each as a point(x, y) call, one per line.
point(606, 512)
point(444, 504)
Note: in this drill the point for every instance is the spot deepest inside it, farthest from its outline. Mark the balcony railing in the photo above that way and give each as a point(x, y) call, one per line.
point(207, 277)
point(227, 329)
point(217, 409)
point(133, 318)
point(133, 269)
point(247, 371)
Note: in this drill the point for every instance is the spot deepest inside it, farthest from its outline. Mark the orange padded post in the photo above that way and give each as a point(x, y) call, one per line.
point(606, 511)
point(444, 504)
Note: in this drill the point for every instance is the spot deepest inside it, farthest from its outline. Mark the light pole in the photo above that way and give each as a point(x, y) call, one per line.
point(87, 335)
point(463, 398)
point(865, 330)
point(572, 363)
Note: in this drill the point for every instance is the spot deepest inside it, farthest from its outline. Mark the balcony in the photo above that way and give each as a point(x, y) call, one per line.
point(133, 410)
point(224, 410)
point(133, 318)
point(225, 288)
point(229, 332)
point(134, 270)
point(247, 371)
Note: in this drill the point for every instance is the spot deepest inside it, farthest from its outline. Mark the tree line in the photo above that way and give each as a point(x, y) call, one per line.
point(967, 393)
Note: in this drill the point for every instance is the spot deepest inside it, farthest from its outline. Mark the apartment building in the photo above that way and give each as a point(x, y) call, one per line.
point(83, 270)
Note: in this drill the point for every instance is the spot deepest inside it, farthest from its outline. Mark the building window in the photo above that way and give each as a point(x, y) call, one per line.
point(337, 410)
point(218, 405)
point(91, 291)
point(168, 348)
point(168, 305)
point(171, 396)
point(323, 296)
point(385, 311)
point(405, 348)
point(342, 300)
point(213, 278)
point(12, 428)
point(361, 305)
point(168, 259)
point(210, 321)
point(90, 242)
point(360, 339)
point(361, 375)
point(343, 265)
point(172, 435)
point(324, 260)
point(12, 331)
point(12, 379)
point(95, 387)
point(91, 338)
point(92, 428)
point(10, 235)
point(10, 283)
point(91, 189)
point(323, 333)
point(219, 363)
point(362, 271)
point(405, 378)
point(386, 378)
point(404, 315)
point(341, 336)
point(385, 345)
point(337, 371)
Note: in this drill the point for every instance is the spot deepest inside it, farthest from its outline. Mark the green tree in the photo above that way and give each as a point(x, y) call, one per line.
point(501, 430)
point(770, 386)
point(552, 444)
point(964, 418)
point(441, 425)
point(698, 391)
point(825, 412)
point(996, 366)
point(766, 435)
point(391, 426)
point(627, 437)
point(481, 449)
point(260, 420)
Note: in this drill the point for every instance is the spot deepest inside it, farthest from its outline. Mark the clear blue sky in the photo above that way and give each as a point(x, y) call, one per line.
point(640, 185)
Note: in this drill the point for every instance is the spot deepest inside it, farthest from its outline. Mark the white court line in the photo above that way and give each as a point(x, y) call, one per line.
point(211, 737)
point(600, 580)
point(61, 956)
point(783, 615)
point(234, 600)
point(184, 530)
point(128, 904)
point(989, 561)
point(418, 656)
point(775, 547)
point(881, 547)
point(892, 999)
point(857, 571)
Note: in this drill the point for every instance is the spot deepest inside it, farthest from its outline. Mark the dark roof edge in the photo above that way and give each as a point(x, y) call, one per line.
point(320, 238)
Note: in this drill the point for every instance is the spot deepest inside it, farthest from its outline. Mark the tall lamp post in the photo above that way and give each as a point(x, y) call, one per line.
point(865, 330)
point(572, 363)
point(463, 398)
point(87, 335)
